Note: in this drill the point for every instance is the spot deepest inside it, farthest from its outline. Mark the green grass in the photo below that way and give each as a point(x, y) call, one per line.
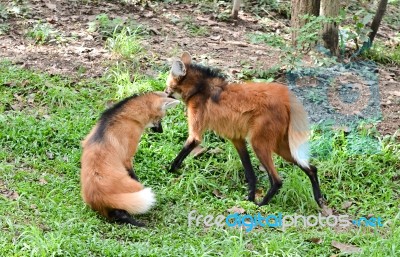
point(43, 33)
point(195, 30)
point(40, 160)
point(384, 54)
point(270, 39)
point(126, 43)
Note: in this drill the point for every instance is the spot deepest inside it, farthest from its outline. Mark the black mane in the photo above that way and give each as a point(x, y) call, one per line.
point(208, 72)
point(203, 84)
point(106, 118)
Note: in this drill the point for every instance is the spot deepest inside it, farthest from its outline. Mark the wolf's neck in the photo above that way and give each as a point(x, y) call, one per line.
point(205, 89)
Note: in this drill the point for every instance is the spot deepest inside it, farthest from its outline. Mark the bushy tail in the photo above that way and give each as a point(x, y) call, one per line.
point(299, 132)
point(134, 203)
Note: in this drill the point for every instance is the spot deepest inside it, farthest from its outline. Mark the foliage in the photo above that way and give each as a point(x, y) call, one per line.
point(382, 53)
point(357, 31)
point(108, 27)
point(292, 56)
point(104, 25)
point(43, 33)
point(125, 42)
point(271, 39)
point(195, 30)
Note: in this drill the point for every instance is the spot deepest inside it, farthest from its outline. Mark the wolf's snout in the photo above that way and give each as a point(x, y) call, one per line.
point(169, 93)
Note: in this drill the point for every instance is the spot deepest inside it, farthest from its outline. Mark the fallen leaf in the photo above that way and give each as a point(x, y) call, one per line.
point(315, 240)
point(347, 205)
point(18, 98)
point(218, 194)
point(14, 195)
point(215, 150)
point(9, 194)
point(215, 38)
point(198, 150)
point(51, 6)
point(9, 84)
point(346, 248)
point(259, 193)
point(50, 155)
point(326, 211)
point(155, 31)
point(31, 98)
point(235, 209)
point(16, 107)
point(25, 83)
point(345, 129)
point(396, 93)
point(148, 14)
point(42, 181)
point(262, 168)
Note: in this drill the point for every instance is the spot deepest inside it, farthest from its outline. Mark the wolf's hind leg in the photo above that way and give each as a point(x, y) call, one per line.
point(123, 217)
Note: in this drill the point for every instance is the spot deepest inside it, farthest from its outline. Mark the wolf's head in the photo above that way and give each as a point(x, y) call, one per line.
point(158, 103)
point(187, 79)
point(175, 81)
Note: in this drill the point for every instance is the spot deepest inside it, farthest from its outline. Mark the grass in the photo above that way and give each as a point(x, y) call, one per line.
point(42, 33)
point(270, 39)
point(384, 54)
point(125, 43)
point(43, 118)
point(194, 30)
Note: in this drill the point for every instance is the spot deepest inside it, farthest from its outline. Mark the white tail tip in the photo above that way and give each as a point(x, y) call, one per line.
point(302, 155)
point(143, 201)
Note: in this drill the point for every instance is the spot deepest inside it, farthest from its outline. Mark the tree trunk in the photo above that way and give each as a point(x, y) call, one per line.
point(300, 8)
point(330, 31)
point(377, 19)
point(235, 9)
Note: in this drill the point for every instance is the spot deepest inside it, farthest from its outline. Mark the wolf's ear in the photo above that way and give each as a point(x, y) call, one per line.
point(169, 103)
point(186, 58)
point(178, 69)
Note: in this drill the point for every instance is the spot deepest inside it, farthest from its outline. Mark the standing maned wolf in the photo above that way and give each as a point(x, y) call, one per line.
point(109, 184)
point(267, 114)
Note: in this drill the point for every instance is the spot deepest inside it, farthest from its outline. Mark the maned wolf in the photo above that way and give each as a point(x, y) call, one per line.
point(109, 184)
point(267, 114)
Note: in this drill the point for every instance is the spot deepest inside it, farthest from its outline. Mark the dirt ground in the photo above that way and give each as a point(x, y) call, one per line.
point(225, 45)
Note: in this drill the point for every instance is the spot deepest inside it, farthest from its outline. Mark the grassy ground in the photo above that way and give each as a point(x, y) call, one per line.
point(43, 119)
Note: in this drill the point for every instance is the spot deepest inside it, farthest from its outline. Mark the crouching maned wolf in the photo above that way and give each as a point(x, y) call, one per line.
point(109, 184)
point(267, 114)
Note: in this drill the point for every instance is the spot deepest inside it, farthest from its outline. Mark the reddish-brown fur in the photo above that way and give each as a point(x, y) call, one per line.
point(266, 114)
point(106, 161)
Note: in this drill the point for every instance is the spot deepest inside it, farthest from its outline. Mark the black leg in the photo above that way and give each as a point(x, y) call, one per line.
point(123, 217)
point(183, 154)
point(312, 174)
point(265, 157)
point(251, 179)
point(132, 173)
point(275, 186)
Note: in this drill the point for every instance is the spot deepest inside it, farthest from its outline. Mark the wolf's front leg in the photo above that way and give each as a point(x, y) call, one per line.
point(187, 148)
